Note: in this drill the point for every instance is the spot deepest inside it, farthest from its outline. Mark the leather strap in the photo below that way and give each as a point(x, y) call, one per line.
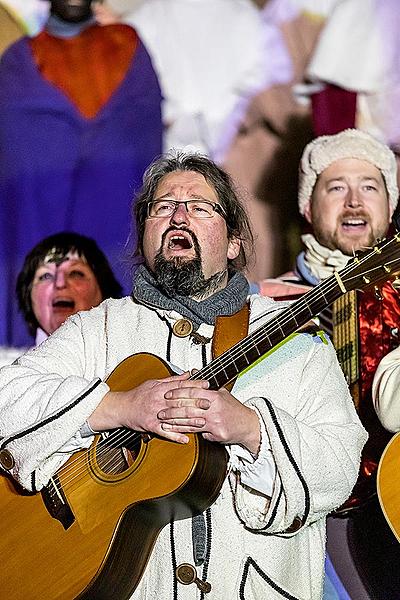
point(229, 330)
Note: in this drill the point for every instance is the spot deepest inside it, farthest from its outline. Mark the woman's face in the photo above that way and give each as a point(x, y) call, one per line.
point(62, 289)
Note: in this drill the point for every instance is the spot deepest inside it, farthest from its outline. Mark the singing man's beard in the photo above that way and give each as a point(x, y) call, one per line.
point(182, 277)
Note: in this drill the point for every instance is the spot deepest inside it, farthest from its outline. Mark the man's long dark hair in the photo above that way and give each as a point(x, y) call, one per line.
point(236, 218)
point(60, 244)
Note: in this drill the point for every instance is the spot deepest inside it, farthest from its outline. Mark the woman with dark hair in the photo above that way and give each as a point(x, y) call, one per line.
point(61, 275)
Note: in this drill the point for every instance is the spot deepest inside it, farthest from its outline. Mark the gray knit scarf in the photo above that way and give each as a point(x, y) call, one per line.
point(224, 302)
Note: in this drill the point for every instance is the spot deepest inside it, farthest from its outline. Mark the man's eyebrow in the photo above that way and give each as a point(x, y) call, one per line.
point(168, 196)
point(362, 178)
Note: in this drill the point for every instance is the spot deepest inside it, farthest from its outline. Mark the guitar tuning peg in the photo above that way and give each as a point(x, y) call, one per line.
point(377, 293)
point(396, 283)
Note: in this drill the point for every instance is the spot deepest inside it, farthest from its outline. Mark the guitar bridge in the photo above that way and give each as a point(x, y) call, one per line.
point(56, 503)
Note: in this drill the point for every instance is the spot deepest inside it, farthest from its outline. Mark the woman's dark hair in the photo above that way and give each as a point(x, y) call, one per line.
point(60, 244)
point(236, 218)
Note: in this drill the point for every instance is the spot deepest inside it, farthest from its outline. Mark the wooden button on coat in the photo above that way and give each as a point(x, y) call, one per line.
point(6, 459)
point(187, 574)
point(182, 328)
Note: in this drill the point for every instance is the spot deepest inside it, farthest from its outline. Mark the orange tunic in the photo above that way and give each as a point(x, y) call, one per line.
point(88, 83)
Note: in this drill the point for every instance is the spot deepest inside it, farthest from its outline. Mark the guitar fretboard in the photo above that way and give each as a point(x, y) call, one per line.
point(226, 367)
point(378, 265)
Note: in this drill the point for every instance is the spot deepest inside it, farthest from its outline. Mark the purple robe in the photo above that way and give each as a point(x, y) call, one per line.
point(61, 171)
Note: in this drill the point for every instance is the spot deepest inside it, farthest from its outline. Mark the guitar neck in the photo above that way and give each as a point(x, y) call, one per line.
point(366, 269)
point(227, 367)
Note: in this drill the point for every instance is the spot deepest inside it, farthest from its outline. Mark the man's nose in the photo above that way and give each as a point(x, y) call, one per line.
point(180, 214)
point(353, 198)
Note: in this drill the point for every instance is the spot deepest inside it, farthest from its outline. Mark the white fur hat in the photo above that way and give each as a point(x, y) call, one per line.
point(350, 143)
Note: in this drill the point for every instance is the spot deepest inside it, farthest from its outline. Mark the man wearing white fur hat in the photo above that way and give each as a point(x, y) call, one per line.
point(347, 194)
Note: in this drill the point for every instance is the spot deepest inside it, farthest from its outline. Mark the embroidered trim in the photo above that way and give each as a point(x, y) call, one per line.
point(291, 460)
point(51, 418)
point(275, 509)
point(173, 558)
point(33, 481)
point(264, 576)
point(208, 551)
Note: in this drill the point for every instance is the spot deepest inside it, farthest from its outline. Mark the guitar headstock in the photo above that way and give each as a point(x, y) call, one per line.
point(378, 265)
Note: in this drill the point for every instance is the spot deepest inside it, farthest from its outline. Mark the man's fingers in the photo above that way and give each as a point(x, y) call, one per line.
point(187, 389)
point(173, 436)
point(180, 377)
point(190, 426)
point(183, 408)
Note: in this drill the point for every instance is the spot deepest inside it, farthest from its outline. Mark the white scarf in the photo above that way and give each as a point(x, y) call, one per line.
point(321, 261)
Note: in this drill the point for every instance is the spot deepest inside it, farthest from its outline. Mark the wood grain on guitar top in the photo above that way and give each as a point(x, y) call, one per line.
point(388, 484)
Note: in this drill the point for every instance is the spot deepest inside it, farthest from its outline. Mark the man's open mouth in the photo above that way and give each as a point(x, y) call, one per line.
point(181, 240)
point(354, 223)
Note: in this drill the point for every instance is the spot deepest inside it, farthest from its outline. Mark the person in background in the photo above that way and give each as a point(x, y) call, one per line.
point(61, 275)
point(80, 120)
point(355, 71)
point(203, 98)
point(209, 89)
point(288, 424)
point(347, 194)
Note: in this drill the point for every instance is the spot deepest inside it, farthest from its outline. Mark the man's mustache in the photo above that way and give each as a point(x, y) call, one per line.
point(354, 215)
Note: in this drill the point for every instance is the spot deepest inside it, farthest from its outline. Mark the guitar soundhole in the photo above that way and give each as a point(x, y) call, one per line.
point(118, 451)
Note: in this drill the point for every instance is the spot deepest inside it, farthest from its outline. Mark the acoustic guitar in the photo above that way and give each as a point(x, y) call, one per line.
point(388, 482)
point(90, 532)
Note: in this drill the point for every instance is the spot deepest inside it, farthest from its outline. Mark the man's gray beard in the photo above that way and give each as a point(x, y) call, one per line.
point(181, 277)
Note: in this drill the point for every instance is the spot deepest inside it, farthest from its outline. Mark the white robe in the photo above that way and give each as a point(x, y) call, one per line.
point(211, 56)
point(301, 396)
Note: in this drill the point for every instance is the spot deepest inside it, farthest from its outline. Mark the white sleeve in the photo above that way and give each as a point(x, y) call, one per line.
point(257, 473)
point(45, 397)
point(386, 390)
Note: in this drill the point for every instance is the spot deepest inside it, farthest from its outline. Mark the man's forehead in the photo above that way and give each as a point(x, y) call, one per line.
point(346, 167)
point(184, 182)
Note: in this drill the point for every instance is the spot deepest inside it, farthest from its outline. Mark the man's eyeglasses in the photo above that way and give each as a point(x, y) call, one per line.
point(198, 209)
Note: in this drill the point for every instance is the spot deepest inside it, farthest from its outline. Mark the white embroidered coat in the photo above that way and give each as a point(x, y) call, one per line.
point(302, 398)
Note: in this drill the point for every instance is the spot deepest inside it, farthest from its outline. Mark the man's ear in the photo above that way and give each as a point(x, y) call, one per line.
point(307, 213)
point(234, 245)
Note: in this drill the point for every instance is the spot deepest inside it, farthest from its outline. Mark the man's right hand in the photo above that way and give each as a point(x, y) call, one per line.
point(138, 408)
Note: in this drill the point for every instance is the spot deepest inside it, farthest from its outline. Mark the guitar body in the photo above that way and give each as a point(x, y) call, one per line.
point(99, 539)
point(388, 484)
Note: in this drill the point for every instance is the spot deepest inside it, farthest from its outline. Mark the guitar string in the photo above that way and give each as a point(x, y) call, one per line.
point(259, 333)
